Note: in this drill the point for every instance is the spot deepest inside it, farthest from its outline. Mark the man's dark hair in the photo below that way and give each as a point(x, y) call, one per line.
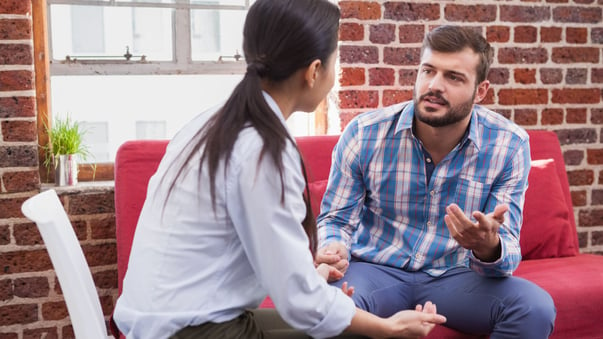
point(450, 39)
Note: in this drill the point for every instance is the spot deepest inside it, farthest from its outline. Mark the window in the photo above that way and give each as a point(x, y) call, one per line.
point(139, 69)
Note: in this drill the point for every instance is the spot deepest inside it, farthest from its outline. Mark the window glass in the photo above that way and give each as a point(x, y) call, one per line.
point(101, 33)
point(217, 34)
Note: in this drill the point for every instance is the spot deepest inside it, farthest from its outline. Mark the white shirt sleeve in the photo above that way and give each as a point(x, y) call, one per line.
point(276, 245)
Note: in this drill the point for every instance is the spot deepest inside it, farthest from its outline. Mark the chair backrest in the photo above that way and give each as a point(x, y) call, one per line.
point(79, 291)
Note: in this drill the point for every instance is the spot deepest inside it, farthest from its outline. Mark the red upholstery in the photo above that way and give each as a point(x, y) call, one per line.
point(575, 281)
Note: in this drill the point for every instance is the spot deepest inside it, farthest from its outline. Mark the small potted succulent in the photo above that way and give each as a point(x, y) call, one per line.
point(65, 147)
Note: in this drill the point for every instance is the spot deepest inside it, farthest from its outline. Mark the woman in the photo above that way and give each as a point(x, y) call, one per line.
point(222, 223)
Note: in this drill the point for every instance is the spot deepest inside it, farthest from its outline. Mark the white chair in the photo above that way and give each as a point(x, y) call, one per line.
point(79, 291)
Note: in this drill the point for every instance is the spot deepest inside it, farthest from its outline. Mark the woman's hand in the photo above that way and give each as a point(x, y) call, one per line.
point(334, 254)
point(329, 272)
point(414, 324)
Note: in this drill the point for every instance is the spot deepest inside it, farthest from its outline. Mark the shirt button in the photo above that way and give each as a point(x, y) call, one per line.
point(429, 223)
point(418, 256)
point(432, 193)
point(428, 160)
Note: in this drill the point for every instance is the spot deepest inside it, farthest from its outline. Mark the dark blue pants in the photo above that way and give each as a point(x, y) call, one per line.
point(502, 307)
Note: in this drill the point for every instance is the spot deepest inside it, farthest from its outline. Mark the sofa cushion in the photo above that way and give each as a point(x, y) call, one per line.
point(317, 190)
point(546, 229)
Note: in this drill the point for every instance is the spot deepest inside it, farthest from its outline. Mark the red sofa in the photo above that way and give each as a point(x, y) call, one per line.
point(548, 237)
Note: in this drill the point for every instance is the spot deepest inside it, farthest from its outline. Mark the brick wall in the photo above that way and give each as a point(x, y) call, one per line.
point(31, 304)
point(547, 74)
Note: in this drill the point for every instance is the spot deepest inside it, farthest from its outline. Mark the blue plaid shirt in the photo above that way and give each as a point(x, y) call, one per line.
point(382, 202)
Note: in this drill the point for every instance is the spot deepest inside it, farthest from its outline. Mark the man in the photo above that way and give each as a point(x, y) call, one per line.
point(425, 199)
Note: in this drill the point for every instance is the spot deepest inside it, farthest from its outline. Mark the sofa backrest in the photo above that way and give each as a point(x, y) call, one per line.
point(136, 161)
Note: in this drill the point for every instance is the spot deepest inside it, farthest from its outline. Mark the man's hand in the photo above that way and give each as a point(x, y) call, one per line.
point(335, 255)
point(481, 236)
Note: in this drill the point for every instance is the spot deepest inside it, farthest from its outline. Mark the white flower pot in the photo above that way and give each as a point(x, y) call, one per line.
point(65, 170)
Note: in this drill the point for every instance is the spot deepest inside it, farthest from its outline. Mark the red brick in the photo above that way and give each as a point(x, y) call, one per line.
point(15, 54)
point(523, 96)
point(407, 77)
point(352, 76)
point(526, 34)
point(576, 76)
point(591, 217)
point(41, 333)
point(578, 198)
point(524, 13)
point(597, 75)
point(575, 115)
point(577, 14)
point(411, 33)
point(525, 75)
point(576, 35)
point(498, 33)
point(19, 130)
point(4, 235)
point(27, 234)
point(594, 156)
point(18, 314)
point(576, 96)
point(15, 29)
point(576, 136)
point(351, 32)
point(564, 55)
point(15, 7)
point(391, 97)
point(474, 13)
point(34, 287)
point(381, 76)
point(403, 11)
point(11, 207)
point(103, 228)
point(573, 157)
point(358, 99)
point(6, 289)
point(596, 115)
point(17, 107)
point(580, 177)
point(551, 116)
point(55, 310)
point(91, 203)
point(526, 117)
point(346, 117)
point(597, 197)
point(401, 56)
point(21, 181)
point(517, 55)
point(498, 76)
point(601, 177)
point(558, 1)
point(16, 80)
point(550, 34)
point(551, 75)
point(105, 279)
point(382, 33)
point(9, 335)
point(101, 254)
point(25, 261)
point(359, 54)
point(363, 10)
point(107, 304)
point(596, 35)
point(584, 1)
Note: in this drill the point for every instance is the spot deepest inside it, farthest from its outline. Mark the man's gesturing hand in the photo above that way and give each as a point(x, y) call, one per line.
point(334, 254)
point(481, 236)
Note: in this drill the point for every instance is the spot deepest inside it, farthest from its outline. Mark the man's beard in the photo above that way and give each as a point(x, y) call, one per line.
point(453, 115)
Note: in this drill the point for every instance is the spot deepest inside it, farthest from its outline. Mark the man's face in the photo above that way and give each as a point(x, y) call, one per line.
point(445, 89)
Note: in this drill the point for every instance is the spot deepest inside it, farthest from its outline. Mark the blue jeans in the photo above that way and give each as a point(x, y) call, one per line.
point(501, 307)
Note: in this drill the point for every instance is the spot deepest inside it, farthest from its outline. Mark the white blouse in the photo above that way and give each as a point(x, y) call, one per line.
point(191, 264)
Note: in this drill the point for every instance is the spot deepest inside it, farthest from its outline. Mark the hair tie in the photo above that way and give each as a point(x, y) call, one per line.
point(257, 68)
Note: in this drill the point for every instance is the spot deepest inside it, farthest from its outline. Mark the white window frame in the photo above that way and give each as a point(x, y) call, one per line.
point(181, 45)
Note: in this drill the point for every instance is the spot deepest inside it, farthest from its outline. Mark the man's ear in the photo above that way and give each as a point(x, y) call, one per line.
point(481, 91)
point(312, 72)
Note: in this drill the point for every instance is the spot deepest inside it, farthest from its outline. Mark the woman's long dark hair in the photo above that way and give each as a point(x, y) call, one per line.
point(280, 37)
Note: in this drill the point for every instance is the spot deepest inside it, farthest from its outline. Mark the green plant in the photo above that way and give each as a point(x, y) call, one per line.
point(65, 136)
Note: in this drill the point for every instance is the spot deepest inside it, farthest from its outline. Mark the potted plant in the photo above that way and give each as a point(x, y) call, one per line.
point(65, 146)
